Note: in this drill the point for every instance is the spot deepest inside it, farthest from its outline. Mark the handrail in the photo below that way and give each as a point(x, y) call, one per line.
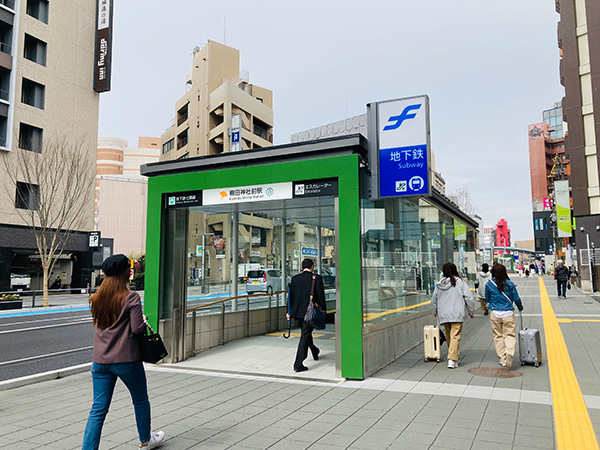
point(231, 298)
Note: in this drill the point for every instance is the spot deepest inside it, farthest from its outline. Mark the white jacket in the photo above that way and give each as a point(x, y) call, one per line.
point(483, 278)
point(452, 303)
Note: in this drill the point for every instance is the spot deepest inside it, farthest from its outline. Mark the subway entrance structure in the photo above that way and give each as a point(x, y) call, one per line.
point(223, 225)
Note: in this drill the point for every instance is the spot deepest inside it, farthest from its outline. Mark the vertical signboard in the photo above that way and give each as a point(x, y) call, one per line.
point(563, 208)
point(399, 151)
point(103, 53)
point(236, 132)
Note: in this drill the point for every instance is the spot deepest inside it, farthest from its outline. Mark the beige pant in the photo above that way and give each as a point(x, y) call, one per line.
point(504, 335)
point(484, 304)
point(453, 332)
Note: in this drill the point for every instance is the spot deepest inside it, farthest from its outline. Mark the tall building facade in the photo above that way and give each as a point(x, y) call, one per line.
point(548, 162)
point(46, 92)
point(122, 193)
point(579, 45)
point(219, 108)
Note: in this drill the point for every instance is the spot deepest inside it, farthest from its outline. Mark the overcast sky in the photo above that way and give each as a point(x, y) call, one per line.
point(490, 68)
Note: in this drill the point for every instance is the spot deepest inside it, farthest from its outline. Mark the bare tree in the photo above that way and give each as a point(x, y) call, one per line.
point(53, 189)
point(462, 197)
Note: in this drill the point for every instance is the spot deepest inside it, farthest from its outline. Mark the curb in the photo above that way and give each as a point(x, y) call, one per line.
point(45, 376)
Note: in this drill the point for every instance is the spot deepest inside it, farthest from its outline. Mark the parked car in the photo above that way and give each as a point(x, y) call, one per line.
point(19, 281)
point(263, 280)
point(328, 279)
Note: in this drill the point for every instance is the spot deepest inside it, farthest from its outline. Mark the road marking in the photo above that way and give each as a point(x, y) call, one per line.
point(574, 428)
point(47, 355)
point(42, 320)
point(79, 322)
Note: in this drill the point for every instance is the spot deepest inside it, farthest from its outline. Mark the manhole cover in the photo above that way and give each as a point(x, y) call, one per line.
point(495, 372)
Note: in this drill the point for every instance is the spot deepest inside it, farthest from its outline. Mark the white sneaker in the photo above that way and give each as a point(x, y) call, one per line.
point(451, 364)
point(155, 440)
point(455, 364)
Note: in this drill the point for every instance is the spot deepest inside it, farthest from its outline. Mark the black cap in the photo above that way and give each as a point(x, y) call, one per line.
point(115, 265)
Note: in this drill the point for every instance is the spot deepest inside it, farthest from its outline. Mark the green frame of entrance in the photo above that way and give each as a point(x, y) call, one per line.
point(344, 167)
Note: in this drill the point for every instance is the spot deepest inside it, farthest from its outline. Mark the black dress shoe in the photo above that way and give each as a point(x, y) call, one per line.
point(315, 354)
point(300, 369)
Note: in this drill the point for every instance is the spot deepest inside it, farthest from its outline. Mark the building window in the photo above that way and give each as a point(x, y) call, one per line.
point(30, 138)
point(6, 32)
point(168, 146)
point(8, 3)
point(38, 9)
point(35, 50)
point(33, 93)
point(28, 196)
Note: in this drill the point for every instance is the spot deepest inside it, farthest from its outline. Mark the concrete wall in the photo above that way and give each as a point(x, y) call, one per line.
point(384, 343)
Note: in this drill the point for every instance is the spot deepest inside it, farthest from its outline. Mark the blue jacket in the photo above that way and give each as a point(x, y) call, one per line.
point(497, 301)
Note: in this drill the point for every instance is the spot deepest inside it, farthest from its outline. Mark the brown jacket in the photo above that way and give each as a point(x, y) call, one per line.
point(120, 342)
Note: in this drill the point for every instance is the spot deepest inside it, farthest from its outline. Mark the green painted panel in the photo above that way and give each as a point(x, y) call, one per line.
point(345, 168)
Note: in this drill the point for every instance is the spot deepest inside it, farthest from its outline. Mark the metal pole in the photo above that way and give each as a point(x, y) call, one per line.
point(193, 332)
point(283, 252)
point(33, 300)
point(590, 263)
point(203, 289)
point(234, 257)
point(319, 256)
point(223, 323)
point(247, 316)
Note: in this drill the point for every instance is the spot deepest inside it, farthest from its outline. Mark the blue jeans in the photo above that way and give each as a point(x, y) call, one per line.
point(104, 378)
point(562, 288)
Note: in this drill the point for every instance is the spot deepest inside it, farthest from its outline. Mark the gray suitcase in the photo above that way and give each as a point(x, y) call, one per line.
point(530, 345)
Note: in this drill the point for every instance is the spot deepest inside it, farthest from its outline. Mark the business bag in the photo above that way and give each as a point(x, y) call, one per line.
point(152, 346)
point(314, 316)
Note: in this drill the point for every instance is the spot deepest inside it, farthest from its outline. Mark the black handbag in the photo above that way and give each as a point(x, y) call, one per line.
point(568, 285)
point(152, 346)
point(314, 316)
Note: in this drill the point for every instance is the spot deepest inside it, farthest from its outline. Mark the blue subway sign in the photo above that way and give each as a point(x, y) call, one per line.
point(309, 251)
point(399, 158)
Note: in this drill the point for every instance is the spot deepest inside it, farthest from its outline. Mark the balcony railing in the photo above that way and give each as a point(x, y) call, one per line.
point(182, 143)
point(5, 48)
point(182, 119)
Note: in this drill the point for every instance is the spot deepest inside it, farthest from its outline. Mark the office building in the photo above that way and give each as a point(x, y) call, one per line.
point(220, 111)
point(579, 46)
point(122, 193)
point(46, 94)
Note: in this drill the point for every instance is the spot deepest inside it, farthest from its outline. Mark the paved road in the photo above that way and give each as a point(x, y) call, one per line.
point(38, 343)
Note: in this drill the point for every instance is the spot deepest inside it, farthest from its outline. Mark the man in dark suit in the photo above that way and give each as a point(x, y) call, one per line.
point(299, 298)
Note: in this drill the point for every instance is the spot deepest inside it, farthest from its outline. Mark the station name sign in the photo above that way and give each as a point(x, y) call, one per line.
point(103, 60)
point(399, 154)
point(253, 193)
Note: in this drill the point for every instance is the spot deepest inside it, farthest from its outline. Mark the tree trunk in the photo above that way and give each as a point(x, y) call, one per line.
point(45, 285)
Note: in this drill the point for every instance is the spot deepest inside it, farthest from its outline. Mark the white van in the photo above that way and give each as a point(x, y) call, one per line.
point(263, 280)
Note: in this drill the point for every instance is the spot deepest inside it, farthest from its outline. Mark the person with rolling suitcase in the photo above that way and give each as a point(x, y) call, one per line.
point(500, 294)
point(452, 302)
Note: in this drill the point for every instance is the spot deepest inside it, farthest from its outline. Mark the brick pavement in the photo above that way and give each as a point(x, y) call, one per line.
point(408, 404)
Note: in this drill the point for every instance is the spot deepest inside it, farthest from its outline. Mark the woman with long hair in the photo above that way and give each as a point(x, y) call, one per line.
point(452, 302)
point(500, 294)
point(119, 321)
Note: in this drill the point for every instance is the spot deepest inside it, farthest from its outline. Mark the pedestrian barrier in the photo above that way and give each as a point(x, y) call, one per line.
point(255, 314)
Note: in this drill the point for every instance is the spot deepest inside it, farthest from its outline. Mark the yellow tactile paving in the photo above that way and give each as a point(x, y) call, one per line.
point(370, 316)
point(574, 428)
point(562, 320)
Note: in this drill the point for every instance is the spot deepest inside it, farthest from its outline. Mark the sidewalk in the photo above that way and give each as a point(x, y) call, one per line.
point(408, 404)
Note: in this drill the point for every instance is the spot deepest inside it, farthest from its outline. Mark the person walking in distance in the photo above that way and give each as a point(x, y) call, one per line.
point(452, 302)
point(561, 276)
point(501, 293)
point(482, 278)
point(119, 321)
point(302, 286)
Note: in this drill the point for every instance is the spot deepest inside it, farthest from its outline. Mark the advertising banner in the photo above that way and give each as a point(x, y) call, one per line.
point(254, 193)
point(236, 132)
point(563, 208)
point(460, 231)
point(103, 60)
point(400, 154)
